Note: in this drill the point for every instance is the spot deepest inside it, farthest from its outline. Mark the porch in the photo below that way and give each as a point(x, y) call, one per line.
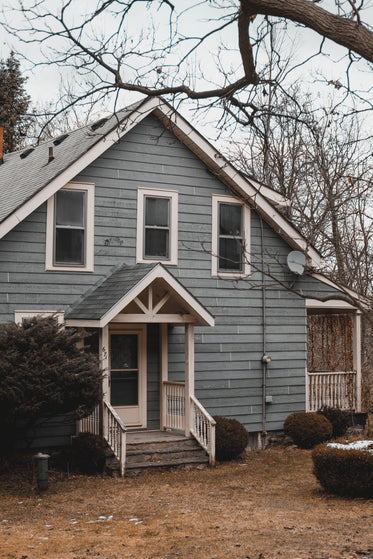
point(147, 299)
point(333, 375)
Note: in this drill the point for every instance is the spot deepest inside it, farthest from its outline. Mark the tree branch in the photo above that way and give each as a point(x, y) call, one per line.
point(346, 32)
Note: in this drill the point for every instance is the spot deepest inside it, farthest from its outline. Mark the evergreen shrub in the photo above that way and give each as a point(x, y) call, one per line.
point(43, 373)
point(308, 429)
point(88, 454)
point(339, 419)
point(231, 438)
point(344, 472)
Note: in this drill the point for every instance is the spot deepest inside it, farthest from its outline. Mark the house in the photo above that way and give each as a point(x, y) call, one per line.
point(200, 293)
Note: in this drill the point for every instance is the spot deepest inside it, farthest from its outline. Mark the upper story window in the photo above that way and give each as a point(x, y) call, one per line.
point(70, 228)
point(230, 237)
point(157, 228)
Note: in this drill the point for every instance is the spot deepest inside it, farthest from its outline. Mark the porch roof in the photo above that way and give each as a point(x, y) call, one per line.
point(103, 303)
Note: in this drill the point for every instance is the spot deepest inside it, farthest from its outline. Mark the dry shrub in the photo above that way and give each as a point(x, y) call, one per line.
point(231, 438)
point(308, 429)
point(344, 472)
point(88, 454)
point(339, 419)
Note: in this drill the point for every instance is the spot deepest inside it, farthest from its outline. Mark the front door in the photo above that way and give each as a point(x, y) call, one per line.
point(128, 375)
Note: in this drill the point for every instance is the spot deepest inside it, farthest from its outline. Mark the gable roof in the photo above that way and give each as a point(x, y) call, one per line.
point(26, 183)
point(101, 304)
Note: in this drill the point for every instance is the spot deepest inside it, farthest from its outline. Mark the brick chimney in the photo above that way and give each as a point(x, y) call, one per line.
point(1, 141)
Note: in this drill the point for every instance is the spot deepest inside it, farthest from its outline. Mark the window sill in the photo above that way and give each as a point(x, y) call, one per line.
point(69, 269)
point(231, 275)
point(155, 261)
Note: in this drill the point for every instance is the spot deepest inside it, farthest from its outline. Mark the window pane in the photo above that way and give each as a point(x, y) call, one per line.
point(230, 254)
point(69, 246)
point(123, 351)
point(124, 388)
point(156, 243)
point(157, 211)
point(230, 219)
point(70, 206)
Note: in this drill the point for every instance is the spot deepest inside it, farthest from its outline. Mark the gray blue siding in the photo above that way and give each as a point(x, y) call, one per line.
point(228, 368)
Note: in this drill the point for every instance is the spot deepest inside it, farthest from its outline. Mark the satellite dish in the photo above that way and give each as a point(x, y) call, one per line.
point(296, 262)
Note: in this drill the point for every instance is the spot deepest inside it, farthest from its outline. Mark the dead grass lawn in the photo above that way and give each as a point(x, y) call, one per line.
point(268, 505)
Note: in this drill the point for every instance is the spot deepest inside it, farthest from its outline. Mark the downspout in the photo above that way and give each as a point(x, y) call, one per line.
point(265, 358)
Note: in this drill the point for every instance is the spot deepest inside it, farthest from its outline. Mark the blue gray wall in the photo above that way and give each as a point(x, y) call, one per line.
point(228, 356)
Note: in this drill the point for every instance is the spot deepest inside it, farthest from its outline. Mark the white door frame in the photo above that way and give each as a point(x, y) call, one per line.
point(140, 330)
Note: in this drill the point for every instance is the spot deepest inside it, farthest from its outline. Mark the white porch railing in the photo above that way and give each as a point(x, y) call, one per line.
point(203, 428)
point(174, 402)
point(332, 389)
point(113, 430)
point(202, 424)
point(90, 424)
point(115, 434)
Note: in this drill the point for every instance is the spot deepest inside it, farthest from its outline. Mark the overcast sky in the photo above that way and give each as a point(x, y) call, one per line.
point(43, 83)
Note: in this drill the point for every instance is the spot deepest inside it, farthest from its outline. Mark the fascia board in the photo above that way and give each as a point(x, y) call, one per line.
point(203, 316)
point(328, 305)
point(75, 168)
point(223, 169)
point(347, 292)
point(272, 195)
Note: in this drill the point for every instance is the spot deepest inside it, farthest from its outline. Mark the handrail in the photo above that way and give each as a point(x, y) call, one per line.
point(173, 383)
point(115, 415)
point(203, 428)
point(331, 372)
point(114, 432)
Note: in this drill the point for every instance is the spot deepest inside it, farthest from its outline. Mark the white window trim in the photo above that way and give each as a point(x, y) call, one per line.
point(172, 195)
point(216, 200)
point(89, 188)
point(20, 315)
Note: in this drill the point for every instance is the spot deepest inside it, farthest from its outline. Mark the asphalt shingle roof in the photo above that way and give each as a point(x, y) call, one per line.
point(21, 178)
point(99, 300)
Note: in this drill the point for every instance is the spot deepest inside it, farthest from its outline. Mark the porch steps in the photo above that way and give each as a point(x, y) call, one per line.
point(151, 450)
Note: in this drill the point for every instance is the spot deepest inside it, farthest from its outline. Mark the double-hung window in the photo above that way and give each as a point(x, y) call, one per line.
point(70, 228)
point(231, 241)
point(157, 229)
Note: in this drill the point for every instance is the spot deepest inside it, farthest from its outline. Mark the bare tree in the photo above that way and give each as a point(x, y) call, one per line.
point(319, 164)
point(207, 50)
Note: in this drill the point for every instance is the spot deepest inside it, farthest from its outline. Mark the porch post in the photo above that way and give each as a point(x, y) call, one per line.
point(104, 360)
point(164, 372)
point(189, 374)
point(357, 357)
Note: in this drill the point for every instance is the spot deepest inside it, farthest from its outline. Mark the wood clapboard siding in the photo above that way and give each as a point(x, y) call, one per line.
point(228, 368)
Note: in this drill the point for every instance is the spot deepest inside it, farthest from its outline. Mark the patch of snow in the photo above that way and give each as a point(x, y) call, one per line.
point(355, 445)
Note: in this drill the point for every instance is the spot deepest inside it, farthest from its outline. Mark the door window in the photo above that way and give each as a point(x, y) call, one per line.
point(124, 370)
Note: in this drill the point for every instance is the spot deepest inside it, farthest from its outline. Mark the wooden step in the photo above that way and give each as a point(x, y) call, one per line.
point(162, 454)
point(149, 450)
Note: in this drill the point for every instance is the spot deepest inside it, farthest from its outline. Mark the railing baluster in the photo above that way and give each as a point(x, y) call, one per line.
point(334, 389)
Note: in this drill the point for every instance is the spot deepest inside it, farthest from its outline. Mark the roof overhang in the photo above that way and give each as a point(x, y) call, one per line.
point(195, 312)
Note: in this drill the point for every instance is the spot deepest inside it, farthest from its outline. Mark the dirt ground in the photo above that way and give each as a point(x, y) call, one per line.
point(266, 505)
